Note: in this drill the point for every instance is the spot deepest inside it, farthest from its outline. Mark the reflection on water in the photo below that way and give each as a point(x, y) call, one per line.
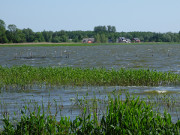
point(157, 57)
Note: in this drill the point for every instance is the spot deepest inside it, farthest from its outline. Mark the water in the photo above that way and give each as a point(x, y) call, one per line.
point(157, 57)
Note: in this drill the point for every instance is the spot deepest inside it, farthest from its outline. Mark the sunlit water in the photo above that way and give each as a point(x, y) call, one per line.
point(157, 57)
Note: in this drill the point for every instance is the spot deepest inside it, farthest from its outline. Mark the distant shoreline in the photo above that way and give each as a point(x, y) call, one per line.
point(83, 44)
point(34, 43)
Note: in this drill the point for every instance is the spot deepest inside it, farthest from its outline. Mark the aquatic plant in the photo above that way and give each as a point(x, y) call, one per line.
point(22, 76)
point(131, 116)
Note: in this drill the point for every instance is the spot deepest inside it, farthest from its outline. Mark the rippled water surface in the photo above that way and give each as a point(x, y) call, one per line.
point(157, 57)
point(160, 57)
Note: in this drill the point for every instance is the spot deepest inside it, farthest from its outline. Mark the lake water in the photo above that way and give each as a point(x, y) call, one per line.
point(157, 57)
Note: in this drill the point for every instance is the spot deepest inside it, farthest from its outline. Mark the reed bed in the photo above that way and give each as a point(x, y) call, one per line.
point(129, 116)
point(21, 76)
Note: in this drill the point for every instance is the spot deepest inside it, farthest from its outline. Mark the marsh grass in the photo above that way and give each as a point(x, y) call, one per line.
point(26, 76)
point(129, 116)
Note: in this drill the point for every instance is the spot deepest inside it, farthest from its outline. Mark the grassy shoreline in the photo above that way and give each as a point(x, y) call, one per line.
point(83, 44)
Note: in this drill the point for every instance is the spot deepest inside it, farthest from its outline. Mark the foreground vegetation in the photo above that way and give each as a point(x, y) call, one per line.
point(131, 116)
point(22, 76)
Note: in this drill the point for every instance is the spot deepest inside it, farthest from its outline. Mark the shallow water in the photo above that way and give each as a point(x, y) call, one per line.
point(12, 101)
point(157, 57)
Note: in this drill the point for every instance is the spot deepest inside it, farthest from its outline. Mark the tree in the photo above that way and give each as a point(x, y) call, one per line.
point(3, 38)
point(29, 34)
point(56, 39)
point(39, 37)
point(12, 33)
point(100, 29)
point(12, 28)
point(15, 35)
point(100, 38)
point(75, 39)
point(64, 38)
point(178, 36)
point(103, 38)
point(166, 38)
point(112, 37)
point(47, 35)
point(97, 38)
point(111, 28)
point(20, 36)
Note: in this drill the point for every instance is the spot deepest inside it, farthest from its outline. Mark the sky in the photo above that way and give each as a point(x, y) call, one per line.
point(70, 15)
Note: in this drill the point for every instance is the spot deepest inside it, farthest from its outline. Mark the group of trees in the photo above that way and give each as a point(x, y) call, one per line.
point(102, 34)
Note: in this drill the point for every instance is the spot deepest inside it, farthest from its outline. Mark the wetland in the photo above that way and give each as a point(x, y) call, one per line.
point(69, 79)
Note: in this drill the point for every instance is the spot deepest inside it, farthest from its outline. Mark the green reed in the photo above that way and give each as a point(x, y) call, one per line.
point(129, 116)
point(21, 76)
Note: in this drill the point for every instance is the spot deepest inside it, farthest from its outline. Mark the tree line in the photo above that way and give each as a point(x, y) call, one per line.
point(102, 34)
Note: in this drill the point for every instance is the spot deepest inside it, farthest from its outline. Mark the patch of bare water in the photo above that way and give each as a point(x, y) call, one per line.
point(158, 57)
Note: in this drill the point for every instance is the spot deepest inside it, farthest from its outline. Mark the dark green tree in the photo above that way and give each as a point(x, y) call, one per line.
point(100, 29)
point(39, 37)
point(12, 33)
point(29, 35)
point(47, 35)
point(56, 39)
point(111, 28)
point(3, 38)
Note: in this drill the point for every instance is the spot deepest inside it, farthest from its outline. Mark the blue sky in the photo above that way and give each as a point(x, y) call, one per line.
point(125, 15)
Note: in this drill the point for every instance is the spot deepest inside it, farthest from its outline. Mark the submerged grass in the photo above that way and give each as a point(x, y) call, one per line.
point(129, 116)
point(27, 75)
